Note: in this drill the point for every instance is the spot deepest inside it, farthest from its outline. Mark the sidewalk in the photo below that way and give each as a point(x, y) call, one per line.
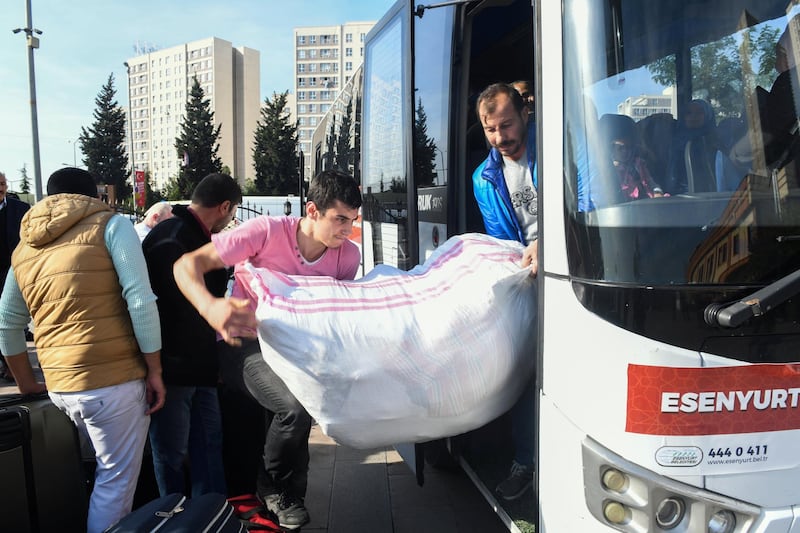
point(373, 491)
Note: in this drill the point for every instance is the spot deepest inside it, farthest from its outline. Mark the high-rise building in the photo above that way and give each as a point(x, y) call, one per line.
point(159, 82)
point(325, 58)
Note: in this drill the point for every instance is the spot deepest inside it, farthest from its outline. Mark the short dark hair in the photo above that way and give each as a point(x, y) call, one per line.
point(72, 180)
point(215, 189)
point(489, 97)
point(331, 185)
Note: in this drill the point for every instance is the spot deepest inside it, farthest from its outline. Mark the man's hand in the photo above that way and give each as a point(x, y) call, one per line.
point(530, 257)
point(233, 319)
point(155, 393)
point(21, 369)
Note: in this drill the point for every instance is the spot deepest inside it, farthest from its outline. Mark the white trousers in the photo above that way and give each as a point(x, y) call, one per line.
point(113, 420)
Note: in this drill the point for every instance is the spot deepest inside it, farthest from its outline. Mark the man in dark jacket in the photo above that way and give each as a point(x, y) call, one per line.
point(190, 420)
point(11, 212)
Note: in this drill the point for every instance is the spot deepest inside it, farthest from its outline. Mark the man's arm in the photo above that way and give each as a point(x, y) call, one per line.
point(231, 317)
point(126, 253)
point(14, 317)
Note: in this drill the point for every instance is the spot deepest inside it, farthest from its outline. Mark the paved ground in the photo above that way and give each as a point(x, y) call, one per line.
point(373, 491)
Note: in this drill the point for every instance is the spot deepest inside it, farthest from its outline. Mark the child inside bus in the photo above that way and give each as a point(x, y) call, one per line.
point(630, 168)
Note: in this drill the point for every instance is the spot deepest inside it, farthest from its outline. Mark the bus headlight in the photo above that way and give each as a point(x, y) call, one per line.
point(670, 512)
point(723, 521)
point(616, 513)
point(629, 498)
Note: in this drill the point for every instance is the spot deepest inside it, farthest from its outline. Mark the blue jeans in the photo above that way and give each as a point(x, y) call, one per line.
point(522, 427)
point(285, 465)
point(190, 423)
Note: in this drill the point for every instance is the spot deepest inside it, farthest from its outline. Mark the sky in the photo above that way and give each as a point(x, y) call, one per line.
point(85, 41)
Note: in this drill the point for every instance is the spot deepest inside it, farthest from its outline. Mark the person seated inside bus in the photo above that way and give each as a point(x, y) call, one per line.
point(507, 178)
point(656, 132)
point(781, 105)
point(734, 156)
point(694, 150)
point(629, 167)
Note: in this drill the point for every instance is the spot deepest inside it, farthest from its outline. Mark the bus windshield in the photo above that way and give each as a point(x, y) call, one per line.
point(681, 141)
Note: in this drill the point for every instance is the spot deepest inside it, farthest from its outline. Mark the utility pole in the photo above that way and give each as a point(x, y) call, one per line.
point(33, 42)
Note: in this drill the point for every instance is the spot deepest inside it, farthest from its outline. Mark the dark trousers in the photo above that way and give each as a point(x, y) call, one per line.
point(285, 465)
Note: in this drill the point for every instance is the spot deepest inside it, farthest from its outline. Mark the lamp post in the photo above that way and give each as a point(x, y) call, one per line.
point(74, 152)
point(130, 122)
point(33, 42)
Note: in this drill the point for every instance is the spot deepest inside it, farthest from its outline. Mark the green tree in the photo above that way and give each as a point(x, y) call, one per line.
point(344, 150)
point(275, 149)
point(25, 188)
point(717, 69)
point(103, 144)
point(330, 143)
point(151, 195)
point(357, 141)
point(197, 145)
point(424, 150)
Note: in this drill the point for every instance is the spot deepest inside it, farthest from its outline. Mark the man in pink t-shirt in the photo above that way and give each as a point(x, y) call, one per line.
point(315, 245)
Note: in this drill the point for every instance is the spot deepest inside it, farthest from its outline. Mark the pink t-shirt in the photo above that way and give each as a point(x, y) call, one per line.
point(271, 242)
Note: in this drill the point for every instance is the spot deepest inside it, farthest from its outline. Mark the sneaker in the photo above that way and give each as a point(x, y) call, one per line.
point(518, 481)
point(291, 512)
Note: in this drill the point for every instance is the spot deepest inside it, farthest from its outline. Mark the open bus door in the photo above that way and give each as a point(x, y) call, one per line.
point(421, 140)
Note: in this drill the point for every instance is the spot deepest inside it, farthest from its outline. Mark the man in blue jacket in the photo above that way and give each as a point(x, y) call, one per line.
point(505, 188)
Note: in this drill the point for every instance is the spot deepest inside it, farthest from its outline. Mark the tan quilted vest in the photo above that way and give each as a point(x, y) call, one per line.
point(84, 336)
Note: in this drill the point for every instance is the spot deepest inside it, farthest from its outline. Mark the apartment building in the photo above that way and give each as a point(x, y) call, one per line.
point(325, 59)
point(159, 82)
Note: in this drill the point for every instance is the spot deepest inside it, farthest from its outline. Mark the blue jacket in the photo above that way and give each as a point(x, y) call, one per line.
point(491, 192)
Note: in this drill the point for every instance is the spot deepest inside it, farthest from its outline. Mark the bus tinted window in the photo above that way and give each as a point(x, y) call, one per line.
point(681, 161)
point(384, 161)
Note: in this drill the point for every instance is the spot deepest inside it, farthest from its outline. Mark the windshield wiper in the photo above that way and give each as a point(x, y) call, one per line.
point(760, 302)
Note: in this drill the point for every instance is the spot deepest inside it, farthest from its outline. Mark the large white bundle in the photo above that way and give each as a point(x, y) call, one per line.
point(402, 356)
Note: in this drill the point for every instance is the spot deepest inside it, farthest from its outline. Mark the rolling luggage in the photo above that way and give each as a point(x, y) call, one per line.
point(174, 513)
point(42, 483)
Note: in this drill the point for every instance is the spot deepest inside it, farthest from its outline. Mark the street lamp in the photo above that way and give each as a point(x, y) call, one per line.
point(287, 207)
point(33, 42)
point(74, 152)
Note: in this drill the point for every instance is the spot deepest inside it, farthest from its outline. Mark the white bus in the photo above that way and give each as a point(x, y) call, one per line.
point(667, 377)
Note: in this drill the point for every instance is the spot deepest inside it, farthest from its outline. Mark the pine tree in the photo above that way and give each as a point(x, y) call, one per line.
point(425, 150)
point(344, 152)
point(357, 141)
point(26, 183)
point(275, 150)
point(197, 145)
point(330, 142)
point(103, 144)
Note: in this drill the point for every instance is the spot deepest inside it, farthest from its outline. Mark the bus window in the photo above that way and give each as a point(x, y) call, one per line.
point(699, 89)
point(432, 91)
point(384, 159)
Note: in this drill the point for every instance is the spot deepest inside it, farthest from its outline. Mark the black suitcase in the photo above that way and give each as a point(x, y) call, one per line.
point(42, 482)
point(174, 513)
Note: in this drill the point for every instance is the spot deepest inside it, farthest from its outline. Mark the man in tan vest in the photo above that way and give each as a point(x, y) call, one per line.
point(79, 272)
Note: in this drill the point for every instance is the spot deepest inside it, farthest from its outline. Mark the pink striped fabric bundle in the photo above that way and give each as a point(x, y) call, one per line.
point(402, 356)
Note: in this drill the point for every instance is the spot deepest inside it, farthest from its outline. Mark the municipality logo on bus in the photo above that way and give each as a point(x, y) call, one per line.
point(679, 456)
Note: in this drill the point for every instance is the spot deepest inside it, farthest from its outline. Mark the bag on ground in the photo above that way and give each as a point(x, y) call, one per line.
point(404, 356)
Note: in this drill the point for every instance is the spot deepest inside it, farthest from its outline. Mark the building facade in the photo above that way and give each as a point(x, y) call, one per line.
point(639, 107)
point(159, 82)
point(325, 59)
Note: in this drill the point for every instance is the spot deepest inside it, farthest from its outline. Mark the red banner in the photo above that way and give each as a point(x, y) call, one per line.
point(139, 188)
point(714, 400)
